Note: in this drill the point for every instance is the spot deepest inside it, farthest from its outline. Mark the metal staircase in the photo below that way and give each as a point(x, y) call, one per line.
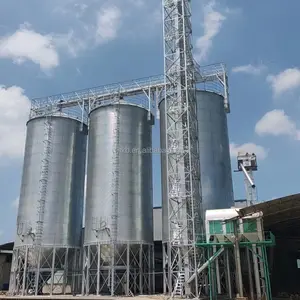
point(178, 289)
point(179, 285)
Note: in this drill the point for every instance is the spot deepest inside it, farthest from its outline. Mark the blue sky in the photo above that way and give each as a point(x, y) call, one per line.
point(53, 46)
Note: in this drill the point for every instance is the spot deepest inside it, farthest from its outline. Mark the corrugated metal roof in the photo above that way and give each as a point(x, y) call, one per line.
point(7, 246)
point(278, 212)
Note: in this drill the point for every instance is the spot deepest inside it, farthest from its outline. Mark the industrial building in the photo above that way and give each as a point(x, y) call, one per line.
point(198, 244)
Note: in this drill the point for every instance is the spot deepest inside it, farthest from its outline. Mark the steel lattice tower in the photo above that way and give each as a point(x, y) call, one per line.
point(183, 166)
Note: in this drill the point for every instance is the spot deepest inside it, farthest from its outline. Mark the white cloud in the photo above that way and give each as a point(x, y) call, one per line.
point(15, 203)
point(260, 151)
point(249, 69)
point(70, 42)
point(14, 110)
point(108, 24)
point(288, 79)
point(277, 123)
point(26, 44)
point(212, 24)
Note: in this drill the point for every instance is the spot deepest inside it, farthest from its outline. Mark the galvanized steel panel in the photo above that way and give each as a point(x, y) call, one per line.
point(62, 222)
point(134, 217)
point(216, 178)
point(164, 179)
point(157, 223)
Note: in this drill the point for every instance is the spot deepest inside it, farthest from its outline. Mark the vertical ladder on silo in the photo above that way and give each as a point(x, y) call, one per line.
point(44, 179)
point(115, 178)
point(115, 194)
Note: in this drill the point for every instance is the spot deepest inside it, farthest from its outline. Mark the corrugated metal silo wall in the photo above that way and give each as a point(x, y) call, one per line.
point(216, 178)
point(164, 182)
point(135, 202)
point(63, 211)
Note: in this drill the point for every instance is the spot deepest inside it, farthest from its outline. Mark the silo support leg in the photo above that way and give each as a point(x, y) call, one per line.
point(25, 272)
point(84, 259)
point(66, 271)
point(164, 270)
point(112, 286)
point(52, 270)
point(37, 275)
point(141, 269)
point(87, 281)
point(128, 269)
point(98, 268)
point(149, 270)
point(153, 271)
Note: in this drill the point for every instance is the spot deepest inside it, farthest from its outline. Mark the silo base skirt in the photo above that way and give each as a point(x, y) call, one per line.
point(118, 269)
point(44, 270)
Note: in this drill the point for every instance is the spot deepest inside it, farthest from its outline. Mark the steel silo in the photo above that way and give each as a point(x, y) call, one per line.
point(216, 178)
point(49, 221)
point(119, 205)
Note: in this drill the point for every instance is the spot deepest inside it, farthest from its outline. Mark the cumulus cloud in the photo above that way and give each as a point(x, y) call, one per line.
point(288, 79)
point(277, 123)
point(108, 24)
point(14, 110)
point(249, 69)
point(27, 45)
point(260, 151)
point(213, 21)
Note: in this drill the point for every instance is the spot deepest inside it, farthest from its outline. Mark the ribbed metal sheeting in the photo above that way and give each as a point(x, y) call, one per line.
point(49, 225)
point(216, 178)
point(126, 178)
point(118, 243)
point(62, 220)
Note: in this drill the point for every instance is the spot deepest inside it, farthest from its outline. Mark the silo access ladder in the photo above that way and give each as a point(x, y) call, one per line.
point(44, 179)
point(115, 179)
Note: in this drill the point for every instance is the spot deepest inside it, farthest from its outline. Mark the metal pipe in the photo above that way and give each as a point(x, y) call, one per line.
point(247, 176)
point(205, 265)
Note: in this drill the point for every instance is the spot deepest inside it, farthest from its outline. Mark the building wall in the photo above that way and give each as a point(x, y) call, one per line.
point(5, 265)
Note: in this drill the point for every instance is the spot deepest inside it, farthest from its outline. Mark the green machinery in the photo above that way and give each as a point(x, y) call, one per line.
point(236, 256)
